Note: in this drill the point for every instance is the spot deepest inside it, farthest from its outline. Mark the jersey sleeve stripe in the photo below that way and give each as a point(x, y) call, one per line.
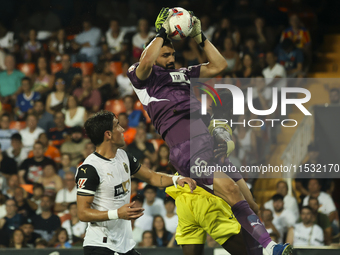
point(86, 191)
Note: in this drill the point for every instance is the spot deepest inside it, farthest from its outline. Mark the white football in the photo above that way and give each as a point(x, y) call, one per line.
point(180, 23)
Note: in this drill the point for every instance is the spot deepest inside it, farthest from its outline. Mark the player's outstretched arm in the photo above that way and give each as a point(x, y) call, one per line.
point(163, 180)
point(216, 63)
point(151, 52)
point(87, 214)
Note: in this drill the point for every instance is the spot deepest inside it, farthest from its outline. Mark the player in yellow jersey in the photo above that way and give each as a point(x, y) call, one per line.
point(201, 212)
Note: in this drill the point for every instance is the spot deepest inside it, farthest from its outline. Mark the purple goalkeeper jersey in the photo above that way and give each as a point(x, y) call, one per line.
point(166, 94)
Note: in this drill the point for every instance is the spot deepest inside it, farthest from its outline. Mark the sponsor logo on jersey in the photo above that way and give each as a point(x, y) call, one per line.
point(131, 68)
point(126, 167)
point(122, 189)
point(81, 182)
point(83, 169)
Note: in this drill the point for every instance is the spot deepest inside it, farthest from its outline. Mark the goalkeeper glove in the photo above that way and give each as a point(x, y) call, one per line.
point(196, 32)
point(162, 22)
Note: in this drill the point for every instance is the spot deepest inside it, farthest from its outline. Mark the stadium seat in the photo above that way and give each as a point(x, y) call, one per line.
point(18, 125)
point(115, 105)
point(56, 67)
point(27, 68)
point(156, 143)
point(116, 68)
point(86, 67)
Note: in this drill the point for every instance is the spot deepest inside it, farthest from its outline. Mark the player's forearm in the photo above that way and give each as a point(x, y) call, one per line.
point(161, 180)
point(89, 215)
point(216, 60)
point(150, 53)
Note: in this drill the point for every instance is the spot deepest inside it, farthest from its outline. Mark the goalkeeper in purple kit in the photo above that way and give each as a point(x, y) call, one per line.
point(165, 93)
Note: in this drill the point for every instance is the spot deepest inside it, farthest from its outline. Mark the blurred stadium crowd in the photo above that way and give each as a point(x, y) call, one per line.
point(60, 65)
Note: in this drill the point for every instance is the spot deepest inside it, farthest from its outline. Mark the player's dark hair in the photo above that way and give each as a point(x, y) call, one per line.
point(16, 137)
point(148, 186)
point(306, 207)
point(97, 124)
point(138, 198)
point(284, 182)
point(166, 42)
point(169, 200)
point(277, 197)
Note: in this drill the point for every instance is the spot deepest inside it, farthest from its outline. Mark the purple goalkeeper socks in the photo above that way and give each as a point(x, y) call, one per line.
point(251, 223)
point(253, 247)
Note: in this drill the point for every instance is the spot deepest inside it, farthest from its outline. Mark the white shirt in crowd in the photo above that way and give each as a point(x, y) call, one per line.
point(144, 222)
point(115, 44)
point(311, 236)
point(277, 70)
point(20, 158)
point(283, 222)
point(137, 234)
point(157, 208)
point(3, 211)
point(171, 223)
point(124, 85)
point(64, 195)
point(139, 42)
point(28, 138)
point(290, 204)
point(326, 203)
point(78, 229)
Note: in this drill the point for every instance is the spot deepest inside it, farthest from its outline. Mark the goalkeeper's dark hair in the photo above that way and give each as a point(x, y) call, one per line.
point(225, 110)
point(167, 42)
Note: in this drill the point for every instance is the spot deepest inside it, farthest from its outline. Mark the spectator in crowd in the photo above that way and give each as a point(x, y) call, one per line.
point(60, 239)
point(32, 47)
point(283, 218)
point(75, 115)
point(163, 160)
point(67, 195)
point(75, 146)
point(248, 69)
point(60, 132)
point(71, 75)
point(17, 240)
point(41, 243)
point(31, 133)
point(3, 205)
point(30, 236)
point(171, 218)
point(5, 131)
point(152, 204)
point(161, 237)
point(291, 58)
point(145, 221)
point(289, 201)
point(25, 100)
point(26, 207)
point(147, 240)
point(225, 29)
point(46, 223)
point(16, 151)
point(59, 46)
point(123, 82)
point(57, 99)
point(89, 148)
point(12, 184)
point(74, 227)
point(43, 82)
point(321, 220)
point(134, 116)
point(264, 35)
point(49, 150)
point(13, 219)
point(32, 168)
point(10, 80)
point(334, 97)
point(267, 219)
point(274, 70)
point(147, 162)
point(230, 55)
point(326, 202)
point(140, 38)
point(250, 48)
point(38, 192)
point(66, 165)
point(191, 53)
point(140, 148)
point(87, 42)
point(305, 233)
point(114, 39)
point(88, 97)
point(105, 55)
point(105, 82)
point(8, 166)
point(130, 132)
point(45, 119)
point(207, 28)
point(50, 180)
point(297, 33)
